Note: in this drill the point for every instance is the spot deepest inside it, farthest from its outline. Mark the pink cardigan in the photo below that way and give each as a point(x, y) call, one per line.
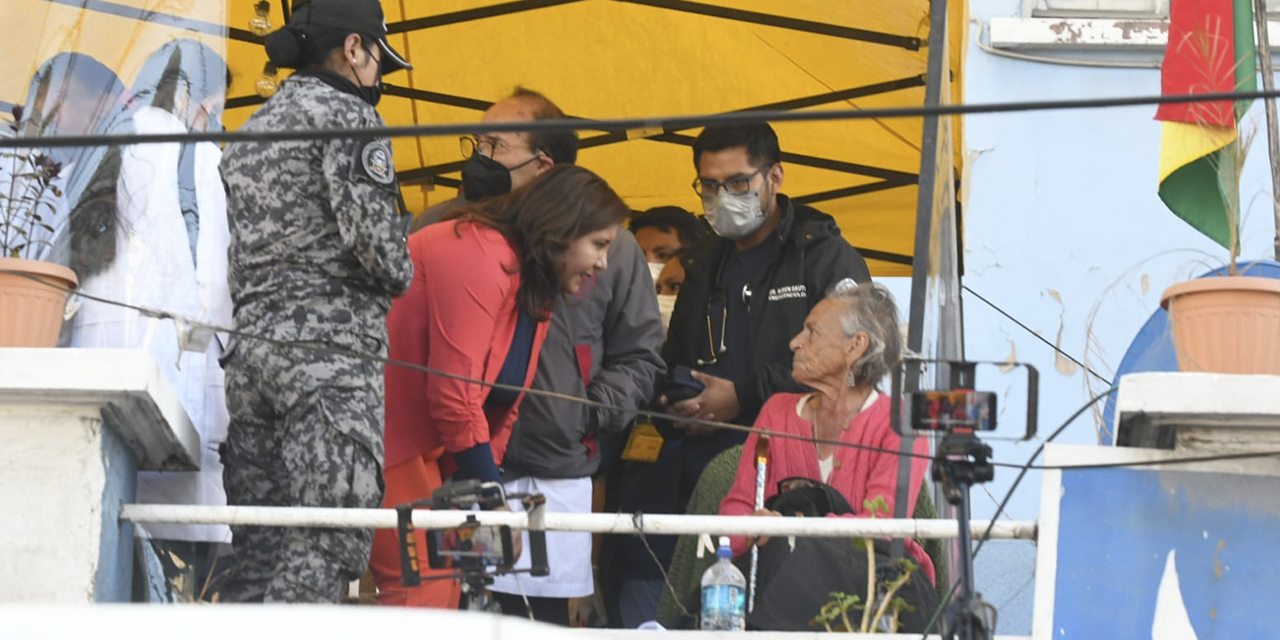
point(459, 316)
point(858, 474)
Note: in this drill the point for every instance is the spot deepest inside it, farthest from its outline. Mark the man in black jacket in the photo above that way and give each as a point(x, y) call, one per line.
point(746, 293)
point(749, 287)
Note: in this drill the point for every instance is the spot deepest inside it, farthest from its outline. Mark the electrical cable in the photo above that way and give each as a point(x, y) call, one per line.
point(1007, 496)
point(986, 534)
point(638, 519)
point(1036, 454)
point(994, 500)
point(312, 346)
point(1143, 463)
point(1033, 333)
point(318, 348)
point(683, 122)
point(937, 613)
point(662, 124)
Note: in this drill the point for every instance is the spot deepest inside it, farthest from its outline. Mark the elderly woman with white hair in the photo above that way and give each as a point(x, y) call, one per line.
point(850, 342)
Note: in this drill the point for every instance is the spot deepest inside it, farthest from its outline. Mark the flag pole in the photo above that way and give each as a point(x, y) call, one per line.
point(1273, 135)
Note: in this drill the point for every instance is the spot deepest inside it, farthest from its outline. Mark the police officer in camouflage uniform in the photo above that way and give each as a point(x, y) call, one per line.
point(317, 253)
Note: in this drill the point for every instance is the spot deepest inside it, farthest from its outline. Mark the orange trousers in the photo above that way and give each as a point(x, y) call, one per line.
point(406, 482)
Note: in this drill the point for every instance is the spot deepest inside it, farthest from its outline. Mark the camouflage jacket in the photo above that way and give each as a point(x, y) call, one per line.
point(317, 247)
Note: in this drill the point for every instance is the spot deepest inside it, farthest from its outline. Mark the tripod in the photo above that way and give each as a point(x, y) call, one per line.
point(961, 462)
point(475, 582)
point(471, 559)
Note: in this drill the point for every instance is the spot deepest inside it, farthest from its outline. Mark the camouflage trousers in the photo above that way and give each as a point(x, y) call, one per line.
point(306, 430)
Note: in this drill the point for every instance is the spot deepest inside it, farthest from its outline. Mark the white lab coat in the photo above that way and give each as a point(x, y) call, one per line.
point(153, 268)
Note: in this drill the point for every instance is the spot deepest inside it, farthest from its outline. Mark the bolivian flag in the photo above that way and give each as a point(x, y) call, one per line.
point(1210, 50)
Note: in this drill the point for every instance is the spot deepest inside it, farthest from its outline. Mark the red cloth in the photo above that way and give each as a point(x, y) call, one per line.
point(859, 474)
point(1200, 57)
point(458, 316)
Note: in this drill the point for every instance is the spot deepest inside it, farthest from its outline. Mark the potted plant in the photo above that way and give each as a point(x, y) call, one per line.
point(32, 291)
point(1228, 324)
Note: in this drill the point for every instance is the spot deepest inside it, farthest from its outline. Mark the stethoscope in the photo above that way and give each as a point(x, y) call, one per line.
point(724, 320)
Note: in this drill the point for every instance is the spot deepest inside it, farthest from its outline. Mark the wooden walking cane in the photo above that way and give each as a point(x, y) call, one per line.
point(762, 468)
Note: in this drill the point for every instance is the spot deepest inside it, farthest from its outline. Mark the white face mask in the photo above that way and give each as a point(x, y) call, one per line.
point(655, 268)
point(666, 304)
point(734, 216)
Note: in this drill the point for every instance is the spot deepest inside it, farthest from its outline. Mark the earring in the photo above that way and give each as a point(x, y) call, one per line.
point(848, 378)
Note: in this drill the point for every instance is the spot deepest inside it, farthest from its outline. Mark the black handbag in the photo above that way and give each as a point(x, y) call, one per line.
point(794, 584)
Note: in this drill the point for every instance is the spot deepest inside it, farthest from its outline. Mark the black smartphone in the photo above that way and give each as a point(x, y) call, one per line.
point(952, 410)
point(490, 546)
point(680, 384)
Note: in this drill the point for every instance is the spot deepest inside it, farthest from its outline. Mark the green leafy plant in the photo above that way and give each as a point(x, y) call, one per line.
point(881, 610)
point(28, 193)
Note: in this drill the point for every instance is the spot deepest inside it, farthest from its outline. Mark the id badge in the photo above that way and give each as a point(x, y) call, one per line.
point(644, 445)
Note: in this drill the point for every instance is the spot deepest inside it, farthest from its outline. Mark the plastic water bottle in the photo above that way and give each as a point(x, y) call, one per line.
point(724, 593)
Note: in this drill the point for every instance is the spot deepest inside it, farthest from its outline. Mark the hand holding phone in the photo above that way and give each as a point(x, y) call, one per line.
point(680, 385)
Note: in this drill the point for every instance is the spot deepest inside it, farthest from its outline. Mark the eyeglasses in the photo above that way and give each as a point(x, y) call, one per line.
point(737, 185)
point(468, 145)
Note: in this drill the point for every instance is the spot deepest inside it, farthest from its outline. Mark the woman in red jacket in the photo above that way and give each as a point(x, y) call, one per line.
point(483, 286)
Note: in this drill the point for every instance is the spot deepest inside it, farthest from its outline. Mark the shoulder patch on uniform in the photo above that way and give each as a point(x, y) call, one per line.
point(375, 162)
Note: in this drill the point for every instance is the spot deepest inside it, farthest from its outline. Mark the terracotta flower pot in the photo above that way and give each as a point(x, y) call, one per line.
point(31, 312)
point(1227, 324)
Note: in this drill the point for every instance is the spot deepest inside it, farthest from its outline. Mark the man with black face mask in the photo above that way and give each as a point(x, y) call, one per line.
point(749, 286)
point(499, 162)
point(602, 345)
point(317, 254)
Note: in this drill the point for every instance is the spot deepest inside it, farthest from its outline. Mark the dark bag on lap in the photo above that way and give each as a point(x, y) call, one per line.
point(794, 585)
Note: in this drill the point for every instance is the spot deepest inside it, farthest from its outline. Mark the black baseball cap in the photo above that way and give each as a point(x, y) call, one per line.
point(364, 17)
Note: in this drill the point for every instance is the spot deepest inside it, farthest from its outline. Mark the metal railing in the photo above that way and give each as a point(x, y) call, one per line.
point(651, 524)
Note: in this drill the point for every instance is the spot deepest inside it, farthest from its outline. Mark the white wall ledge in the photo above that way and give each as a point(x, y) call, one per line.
point(1251, 401)
point(1242, 410)
point(125, 387)
point(1139, 35)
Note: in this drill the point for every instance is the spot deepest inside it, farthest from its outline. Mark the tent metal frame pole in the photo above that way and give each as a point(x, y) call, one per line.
point(935, 81)
point(927, 183)
point(928, 178)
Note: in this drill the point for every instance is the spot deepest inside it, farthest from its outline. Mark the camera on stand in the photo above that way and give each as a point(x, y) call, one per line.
point(476, 552)
point(959, 412)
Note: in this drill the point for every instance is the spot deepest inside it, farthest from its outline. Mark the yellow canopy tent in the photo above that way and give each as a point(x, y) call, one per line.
point(604, 59)
point(596, 59)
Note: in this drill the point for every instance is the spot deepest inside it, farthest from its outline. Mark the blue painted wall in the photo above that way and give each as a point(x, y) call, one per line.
point(114, 579)
point(1117, 531)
